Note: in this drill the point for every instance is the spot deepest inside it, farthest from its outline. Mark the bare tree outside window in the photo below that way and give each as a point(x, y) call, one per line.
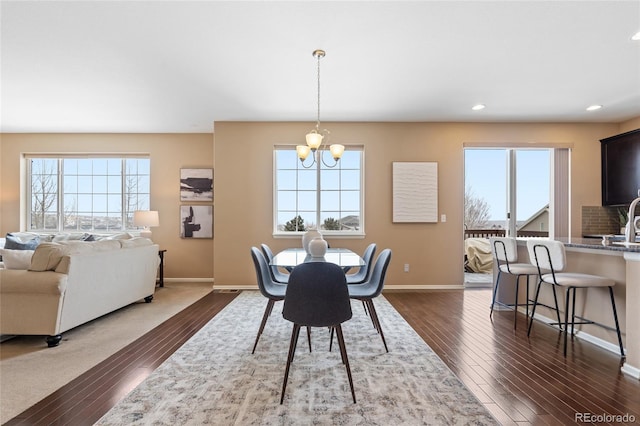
point(95, 194)
point(44, 193)
point(476, 210)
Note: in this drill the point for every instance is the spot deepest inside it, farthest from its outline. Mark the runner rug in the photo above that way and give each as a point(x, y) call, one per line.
point(214, 379)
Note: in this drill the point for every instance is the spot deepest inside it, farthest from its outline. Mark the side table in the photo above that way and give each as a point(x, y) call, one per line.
point(160, 282)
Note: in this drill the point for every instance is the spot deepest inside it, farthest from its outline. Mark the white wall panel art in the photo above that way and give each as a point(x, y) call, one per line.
point(415, 192)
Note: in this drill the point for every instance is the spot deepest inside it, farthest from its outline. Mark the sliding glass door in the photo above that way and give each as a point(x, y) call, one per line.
point(507, 193)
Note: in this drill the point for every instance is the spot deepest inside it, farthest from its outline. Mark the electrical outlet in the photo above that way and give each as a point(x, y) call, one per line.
point(443, 218)
point(406, 267)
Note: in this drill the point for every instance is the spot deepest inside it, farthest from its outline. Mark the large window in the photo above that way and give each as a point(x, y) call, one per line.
point(86, 194)
point(319, 197)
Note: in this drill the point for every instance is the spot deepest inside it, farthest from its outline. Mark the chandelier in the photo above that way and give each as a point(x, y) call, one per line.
point(316, 136)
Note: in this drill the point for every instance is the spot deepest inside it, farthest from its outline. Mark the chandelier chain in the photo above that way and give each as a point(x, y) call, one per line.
point(318, 121)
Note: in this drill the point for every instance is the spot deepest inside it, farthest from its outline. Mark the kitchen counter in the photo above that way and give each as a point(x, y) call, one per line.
point(596, 244)
point(618, 262)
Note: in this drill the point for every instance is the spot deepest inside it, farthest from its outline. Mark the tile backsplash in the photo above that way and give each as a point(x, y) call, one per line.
point(598, 220)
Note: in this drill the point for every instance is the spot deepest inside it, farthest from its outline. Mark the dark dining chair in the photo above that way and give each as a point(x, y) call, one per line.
point(276, 273)
point(270, 289)
point(364, 272)
point(372, 288)
point(317, 296)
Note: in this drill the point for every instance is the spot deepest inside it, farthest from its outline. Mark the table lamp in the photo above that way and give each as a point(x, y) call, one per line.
point(146, 219)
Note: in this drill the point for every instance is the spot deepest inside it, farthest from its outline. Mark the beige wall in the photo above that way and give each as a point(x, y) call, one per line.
point(627, 126)
point(191, 258)
point(243, 188)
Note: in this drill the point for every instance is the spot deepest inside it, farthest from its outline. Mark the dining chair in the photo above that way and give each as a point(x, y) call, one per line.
point(317, 296)
point(372, 288)
point(364, 272)
point(505, 254)
point(276, 274)
point(550, 259)
point(270, 289)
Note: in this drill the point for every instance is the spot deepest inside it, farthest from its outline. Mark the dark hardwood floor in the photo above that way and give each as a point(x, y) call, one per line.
point(521, 380)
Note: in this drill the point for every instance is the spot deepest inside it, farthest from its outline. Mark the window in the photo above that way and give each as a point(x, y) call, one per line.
point(86, 194)
point(320, 197)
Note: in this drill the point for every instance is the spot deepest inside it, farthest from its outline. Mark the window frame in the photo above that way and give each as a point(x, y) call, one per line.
point(359, 234)
point(125, 219)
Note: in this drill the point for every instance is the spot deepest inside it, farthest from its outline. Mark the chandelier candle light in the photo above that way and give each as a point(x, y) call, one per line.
point(315, 136)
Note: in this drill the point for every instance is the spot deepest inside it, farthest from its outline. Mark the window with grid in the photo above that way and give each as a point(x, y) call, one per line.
point(86, 193)
point(329, 199)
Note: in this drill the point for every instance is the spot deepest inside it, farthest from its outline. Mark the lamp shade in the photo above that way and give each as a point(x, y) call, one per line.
point(303, 151)
point(336, 151)
point(314, 140)
point(146, 218)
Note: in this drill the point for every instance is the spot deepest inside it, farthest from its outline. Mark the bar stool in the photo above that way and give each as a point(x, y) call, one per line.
point(505, 252)
point(550, 255)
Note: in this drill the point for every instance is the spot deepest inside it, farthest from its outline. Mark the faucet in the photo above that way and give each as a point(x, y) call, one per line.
point(631, 228)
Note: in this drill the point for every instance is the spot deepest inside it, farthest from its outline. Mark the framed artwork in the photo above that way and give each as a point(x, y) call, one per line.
point(415, 192)
point(196, 221)
point(196, 184)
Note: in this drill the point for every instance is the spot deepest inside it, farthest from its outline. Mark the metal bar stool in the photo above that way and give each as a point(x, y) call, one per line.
point(505, 252)
point(550, 255)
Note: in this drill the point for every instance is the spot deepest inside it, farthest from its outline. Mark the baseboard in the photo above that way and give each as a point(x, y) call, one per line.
point(387, 288)
point(188, 280)
point(630, 371)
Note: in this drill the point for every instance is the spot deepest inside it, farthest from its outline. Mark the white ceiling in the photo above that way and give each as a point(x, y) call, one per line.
point(177, 66)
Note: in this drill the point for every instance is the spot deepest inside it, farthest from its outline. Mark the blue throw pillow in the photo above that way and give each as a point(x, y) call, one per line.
point(14, 243)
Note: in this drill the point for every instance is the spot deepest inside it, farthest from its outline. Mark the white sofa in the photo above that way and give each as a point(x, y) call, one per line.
point(70, 283)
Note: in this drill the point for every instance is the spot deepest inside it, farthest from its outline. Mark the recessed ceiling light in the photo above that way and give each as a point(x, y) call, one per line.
point(478, 107)
point(636, 36)
point(594, 107)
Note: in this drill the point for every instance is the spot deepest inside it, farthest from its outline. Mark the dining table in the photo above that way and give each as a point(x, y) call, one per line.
point(291, 257)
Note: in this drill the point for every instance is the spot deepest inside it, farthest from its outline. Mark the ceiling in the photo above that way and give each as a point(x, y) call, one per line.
point(178, 66)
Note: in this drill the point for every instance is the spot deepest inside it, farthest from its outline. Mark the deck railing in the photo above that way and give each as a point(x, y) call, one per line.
point(487, 233)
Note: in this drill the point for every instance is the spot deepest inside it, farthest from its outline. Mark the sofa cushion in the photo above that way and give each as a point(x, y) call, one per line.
point(135, 242)
point(16, 259)
point(76, 247)
point(48, 256)
point(21, 242)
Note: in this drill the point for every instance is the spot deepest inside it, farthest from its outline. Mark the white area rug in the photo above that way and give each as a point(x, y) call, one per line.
point(214, 378)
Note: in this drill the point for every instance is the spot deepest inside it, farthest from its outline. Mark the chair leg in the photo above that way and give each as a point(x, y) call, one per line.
point(292, 349)
point(374, 317)
point(495, 292)
point(309, 337)
point(555, 298)
point(533, 310)
point(615, 317)
point(566, 319)
point(265, 316)
point(345, 359)
point(573, 314)
point(515, 304)
point(331, 339)
point(527, 299)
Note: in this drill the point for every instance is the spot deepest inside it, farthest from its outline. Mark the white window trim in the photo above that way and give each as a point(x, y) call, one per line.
point(61, 156)
point(361, 234)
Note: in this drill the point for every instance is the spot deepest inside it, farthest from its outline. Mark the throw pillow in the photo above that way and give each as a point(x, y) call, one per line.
point(14, 242)
point(47, 256)
point(16, 259)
